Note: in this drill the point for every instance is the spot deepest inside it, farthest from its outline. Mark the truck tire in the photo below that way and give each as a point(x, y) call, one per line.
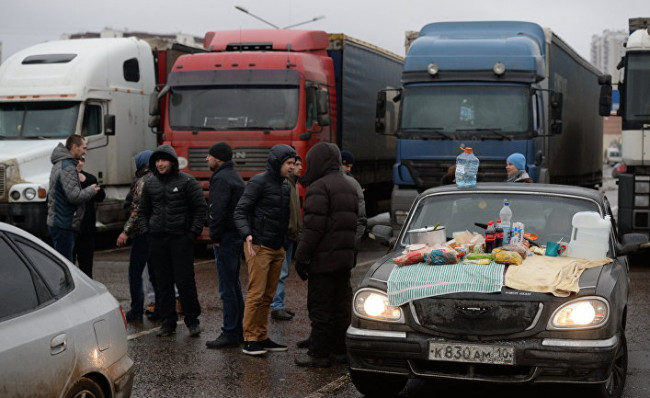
point(377, 385)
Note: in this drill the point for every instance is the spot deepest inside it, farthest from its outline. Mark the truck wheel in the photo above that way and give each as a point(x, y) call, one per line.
point(377, 385)
point(613, 387)
point(85, 388)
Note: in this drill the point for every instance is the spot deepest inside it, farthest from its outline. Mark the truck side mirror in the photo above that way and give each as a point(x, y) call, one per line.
point(154, 123)
point(605, 100)
point(556, 112)
point(387, 110)
point(109, 124)
point(323, 102)
point(380, 113)
point(154, 105)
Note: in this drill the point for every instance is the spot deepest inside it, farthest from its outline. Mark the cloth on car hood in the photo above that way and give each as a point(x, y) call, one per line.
point(559, 276)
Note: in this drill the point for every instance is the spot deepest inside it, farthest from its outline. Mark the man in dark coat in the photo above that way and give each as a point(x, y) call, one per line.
point(325, 254)
point(172, 211)
point(84, 248)
point(262, 218)
point(226, 187)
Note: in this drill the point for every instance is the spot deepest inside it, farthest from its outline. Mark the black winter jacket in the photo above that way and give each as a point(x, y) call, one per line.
point(330, 212)
point(226, 188)
point(263, 210)
point(173, 203)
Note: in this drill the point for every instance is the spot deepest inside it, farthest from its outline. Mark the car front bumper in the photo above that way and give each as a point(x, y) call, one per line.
point(535, 360)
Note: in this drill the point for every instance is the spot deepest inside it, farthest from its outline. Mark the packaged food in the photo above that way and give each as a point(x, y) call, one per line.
point(521, 249)
point(412, 257)
point(441, 256)
point(506, 257)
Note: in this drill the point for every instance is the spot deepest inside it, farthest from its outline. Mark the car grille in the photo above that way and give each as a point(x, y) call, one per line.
point(2, 181)
point(245, 158)
point(475, 317)
point(428, 173)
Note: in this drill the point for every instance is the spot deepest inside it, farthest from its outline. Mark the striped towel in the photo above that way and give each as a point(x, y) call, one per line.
point(413, 282)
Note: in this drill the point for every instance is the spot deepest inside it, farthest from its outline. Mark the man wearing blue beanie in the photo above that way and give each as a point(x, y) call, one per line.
point(516, 168)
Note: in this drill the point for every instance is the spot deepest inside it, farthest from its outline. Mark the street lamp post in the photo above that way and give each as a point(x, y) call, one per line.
point(245, 11)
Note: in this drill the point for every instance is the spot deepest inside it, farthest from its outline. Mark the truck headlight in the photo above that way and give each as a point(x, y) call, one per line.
point(373, 304)
point(29, 193)
point(584, 313)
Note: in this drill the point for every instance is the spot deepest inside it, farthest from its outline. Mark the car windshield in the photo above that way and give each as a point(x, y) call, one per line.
point(545, 215)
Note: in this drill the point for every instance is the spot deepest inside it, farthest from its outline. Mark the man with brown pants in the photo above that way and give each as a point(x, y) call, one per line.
point(262, 218)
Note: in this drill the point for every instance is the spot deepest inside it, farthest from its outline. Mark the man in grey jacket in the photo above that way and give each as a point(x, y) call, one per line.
point(66, 199)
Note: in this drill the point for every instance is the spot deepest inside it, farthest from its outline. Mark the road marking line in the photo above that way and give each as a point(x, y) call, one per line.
point(330, 388)
point(146, 332)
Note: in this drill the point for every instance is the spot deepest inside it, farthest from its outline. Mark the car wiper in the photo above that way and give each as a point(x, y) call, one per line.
point(493, 131)
point(420, 132)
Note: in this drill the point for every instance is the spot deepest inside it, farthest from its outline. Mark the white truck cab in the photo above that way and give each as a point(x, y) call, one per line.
point(98, 88)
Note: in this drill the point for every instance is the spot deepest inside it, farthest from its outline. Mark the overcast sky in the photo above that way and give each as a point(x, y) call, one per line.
point(380, 22)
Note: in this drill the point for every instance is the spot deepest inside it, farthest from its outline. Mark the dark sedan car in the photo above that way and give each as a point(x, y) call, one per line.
point(467, 321)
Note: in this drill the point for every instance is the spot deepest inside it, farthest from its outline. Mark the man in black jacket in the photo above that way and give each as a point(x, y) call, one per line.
point(262, 218)
point(226, 187)
point(172, 212)
point(325, 254)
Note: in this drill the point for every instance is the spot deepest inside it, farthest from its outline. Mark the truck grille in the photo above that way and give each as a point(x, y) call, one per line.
point(428, 173)
point(245, 158)
point(476, 317)
point(2, 181)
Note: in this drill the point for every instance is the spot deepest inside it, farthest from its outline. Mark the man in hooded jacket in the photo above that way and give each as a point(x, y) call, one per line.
point(262, 219)
point(172, 211)
point(325, 254)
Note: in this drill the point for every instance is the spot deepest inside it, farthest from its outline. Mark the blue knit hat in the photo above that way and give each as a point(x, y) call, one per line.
point(518, 160)
point(142, 159)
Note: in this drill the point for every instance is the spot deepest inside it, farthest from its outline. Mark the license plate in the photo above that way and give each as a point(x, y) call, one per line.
point(474, 353)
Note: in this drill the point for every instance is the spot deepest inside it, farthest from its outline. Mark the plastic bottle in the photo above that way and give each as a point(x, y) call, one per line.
point(466, 168)
point(506, 219)
point(498, 235)
point(489, 237)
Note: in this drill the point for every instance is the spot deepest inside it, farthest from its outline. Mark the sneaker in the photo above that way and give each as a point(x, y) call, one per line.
point(303, 343)
point(165, 331)
point(312, 362)
point(150, 309)
point(281, 315)
point(132, 317)
point(222, 342)
point(290, 312)
point(253, 348)
point(195, 330)
point(270, 345)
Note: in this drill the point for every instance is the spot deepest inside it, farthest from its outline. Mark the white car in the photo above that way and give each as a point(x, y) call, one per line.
point(62, 334)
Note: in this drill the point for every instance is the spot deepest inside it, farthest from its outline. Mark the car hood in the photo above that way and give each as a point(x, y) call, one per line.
point(381, 270)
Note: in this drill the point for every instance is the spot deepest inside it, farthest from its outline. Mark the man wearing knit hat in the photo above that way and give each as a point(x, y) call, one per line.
point(516, 168)
point(226, 187)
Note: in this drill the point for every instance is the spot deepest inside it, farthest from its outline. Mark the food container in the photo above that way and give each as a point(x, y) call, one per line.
point(430, 236)
point(590, 236)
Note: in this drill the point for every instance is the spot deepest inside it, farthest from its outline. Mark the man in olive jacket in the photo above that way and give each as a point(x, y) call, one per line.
point(172, 211)
point(325, 254)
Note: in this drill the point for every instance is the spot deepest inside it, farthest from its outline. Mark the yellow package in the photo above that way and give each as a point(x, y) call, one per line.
point(506, 257)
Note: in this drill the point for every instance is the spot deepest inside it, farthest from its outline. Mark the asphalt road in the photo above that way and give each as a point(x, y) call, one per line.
point(182, 366)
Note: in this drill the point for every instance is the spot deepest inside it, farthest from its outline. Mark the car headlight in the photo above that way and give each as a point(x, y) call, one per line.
point(373, 304)
point(29, 193)
point(584, 313)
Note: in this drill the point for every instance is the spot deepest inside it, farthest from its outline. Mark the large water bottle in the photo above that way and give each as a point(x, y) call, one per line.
point(506, 221)
point(466, 168)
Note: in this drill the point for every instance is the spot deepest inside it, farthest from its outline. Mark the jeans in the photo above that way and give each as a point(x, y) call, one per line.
point(228, 259)
point(137, 261)
point(278, 299)
point(63, 241)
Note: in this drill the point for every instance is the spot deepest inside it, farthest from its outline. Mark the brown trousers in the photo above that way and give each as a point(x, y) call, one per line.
point(263, 274)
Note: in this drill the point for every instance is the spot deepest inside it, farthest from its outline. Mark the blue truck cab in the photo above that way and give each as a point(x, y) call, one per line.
point(498, 87)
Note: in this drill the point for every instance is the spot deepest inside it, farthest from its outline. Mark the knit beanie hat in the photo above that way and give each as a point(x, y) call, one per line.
point(347, 157)
point(221, 151)
point(142, 159)
point(518, 160)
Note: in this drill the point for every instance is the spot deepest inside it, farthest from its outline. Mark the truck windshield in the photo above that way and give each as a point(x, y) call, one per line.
point(234, 108)
point(32, 120)
point(473, 110)
point(637, 81)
